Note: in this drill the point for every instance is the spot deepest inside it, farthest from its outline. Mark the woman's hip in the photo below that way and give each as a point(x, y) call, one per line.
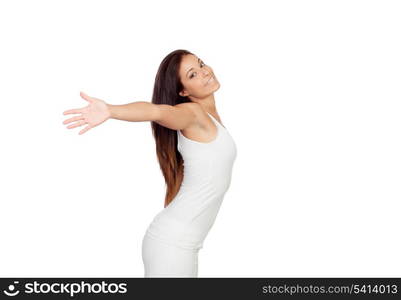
point(162, 259)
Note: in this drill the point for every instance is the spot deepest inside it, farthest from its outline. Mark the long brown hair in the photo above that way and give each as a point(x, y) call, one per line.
point(165, 91)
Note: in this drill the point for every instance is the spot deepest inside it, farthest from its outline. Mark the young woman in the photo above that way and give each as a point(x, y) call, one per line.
point(195, 152)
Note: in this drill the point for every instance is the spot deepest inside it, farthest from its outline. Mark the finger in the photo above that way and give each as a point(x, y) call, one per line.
point(73, 111)
point(76, 124)
point(77, 118)
point(85, 129)
point(86, 97)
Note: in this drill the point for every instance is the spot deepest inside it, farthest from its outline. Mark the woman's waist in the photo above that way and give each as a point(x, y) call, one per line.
point(175, 232)
point(174, 241)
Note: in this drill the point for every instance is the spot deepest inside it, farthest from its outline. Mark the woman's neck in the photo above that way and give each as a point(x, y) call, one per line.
point(208, 103)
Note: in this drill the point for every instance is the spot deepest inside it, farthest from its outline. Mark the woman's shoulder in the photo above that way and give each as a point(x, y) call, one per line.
point(198, 110)
point(203, 130)
point(195, 107)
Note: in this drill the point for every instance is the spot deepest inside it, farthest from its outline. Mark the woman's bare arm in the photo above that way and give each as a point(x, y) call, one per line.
point(175, 117)
point(138, 111)
point(179, 116)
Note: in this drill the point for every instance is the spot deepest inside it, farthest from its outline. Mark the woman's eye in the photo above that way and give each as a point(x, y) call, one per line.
point(202, 64)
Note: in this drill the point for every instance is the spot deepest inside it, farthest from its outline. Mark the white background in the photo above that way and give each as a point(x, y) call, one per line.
point(310, 91)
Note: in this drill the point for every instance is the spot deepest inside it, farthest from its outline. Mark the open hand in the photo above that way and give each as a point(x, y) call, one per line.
point(94, 114)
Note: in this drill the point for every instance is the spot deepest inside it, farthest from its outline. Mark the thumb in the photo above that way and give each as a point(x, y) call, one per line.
point(86, 97)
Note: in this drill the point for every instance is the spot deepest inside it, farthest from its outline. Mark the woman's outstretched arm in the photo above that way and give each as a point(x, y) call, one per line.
point(139, 111)
point(175, 117)
point(98, 111)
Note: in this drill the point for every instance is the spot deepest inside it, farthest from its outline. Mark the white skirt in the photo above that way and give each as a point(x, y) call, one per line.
point(163, 260)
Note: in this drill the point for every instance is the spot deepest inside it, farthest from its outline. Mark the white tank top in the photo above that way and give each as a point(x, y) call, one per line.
point(186, 221)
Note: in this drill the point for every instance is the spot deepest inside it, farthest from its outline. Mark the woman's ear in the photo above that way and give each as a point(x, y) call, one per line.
point(183, 93)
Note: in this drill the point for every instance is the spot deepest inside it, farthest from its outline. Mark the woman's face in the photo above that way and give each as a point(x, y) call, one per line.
point(197, 78)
